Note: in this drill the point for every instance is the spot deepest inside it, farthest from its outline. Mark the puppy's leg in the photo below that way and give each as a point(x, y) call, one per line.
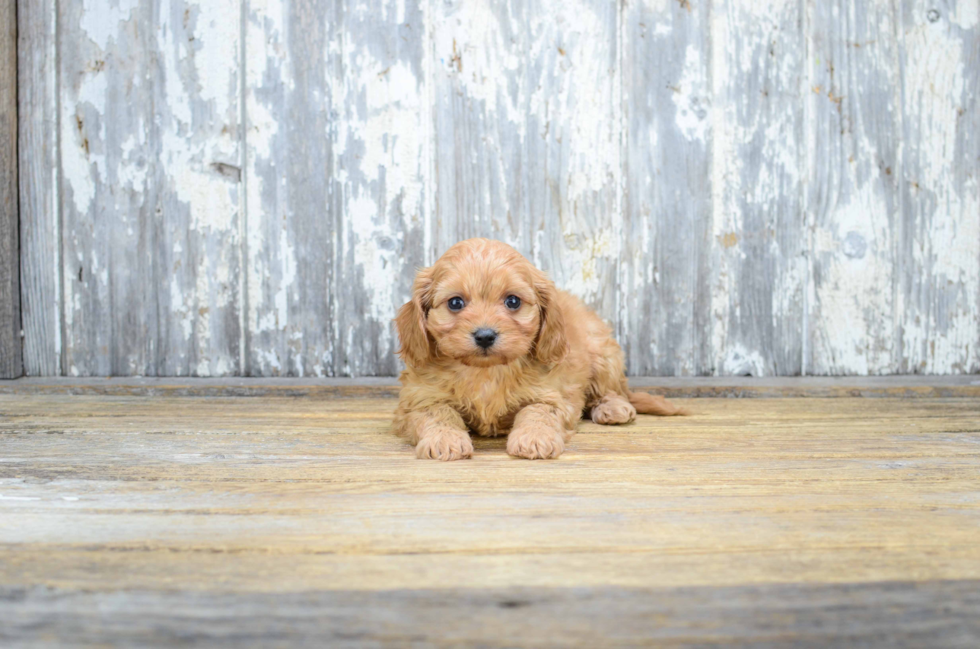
point(608, 379)
point(438, 433)
point(613, 409)
point(540, 432)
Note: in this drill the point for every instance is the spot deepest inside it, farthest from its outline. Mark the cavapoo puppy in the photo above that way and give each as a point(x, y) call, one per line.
point(491, 346)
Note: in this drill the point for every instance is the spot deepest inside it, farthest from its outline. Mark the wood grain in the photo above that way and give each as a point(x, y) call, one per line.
point(786, 521)
point(151, 165)
point(896, 196)
point(379, 231)
point(11, 359)
point(889, 614)
point(758, 238)
point(292, 64)
point(39, 169)
point(938, 285)
point(335, 179)
point(855, 103)
point(666, 262)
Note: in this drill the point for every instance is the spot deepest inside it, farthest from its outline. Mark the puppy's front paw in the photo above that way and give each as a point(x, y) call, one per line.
point(535, 443)
point(444, 444)
point(613, 409)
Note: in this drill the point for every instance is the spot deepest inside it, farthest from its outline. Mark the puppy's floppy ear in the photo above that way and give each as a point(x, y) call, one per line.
point(415, 347)
point(551, 345)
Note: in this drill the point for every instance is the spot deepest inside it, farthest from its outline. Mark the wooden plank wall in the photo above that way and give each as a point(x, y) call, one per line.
point(245, 187)
point(10, 341)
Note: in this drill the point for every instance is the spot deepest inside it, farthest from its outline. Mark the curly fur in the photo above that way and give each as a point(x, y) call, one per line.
point(553, 361)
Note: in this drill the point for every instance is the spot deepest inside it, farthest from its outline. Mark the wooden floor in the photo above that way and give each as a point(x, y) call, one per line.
point(283, 521)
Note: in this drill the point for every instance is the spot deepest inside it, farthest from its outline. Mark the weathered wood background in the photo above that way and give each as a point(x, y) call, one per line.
point(229, 187)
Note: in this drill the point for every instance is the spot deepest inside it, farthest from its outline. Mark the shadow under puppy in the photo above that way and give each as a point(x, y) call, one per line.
point(491, 346)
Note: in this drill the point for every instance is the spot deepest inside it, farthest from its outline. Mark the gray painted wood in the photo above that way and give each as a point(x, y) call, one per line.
point(291, 60)
point(40, 229)
point(335, 168)
point(379, 229)
point(757, 246)
point(150, 186)
point(895, 203)
point(937, 254)
point(666, 263)
point(853, 201)
point(11, 364)
point(783, 188)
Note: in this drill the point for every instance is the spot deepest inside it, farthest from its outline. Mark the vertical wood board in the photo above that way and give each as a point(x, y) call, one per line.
point(758, 240)
point(150, 186)
point(938, 254)
point(336, 161)
point(40, 228)
point(291, 59)
point(11, 363)
point(853, 197)
point(667, 104)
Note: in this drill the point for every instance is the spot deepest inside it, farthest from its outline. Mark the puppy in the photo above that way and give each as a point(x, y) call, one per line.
point(491, 346)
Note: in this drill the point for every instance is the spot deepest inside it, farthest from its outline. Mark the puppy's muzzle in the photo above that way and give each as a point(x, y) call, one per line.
point(485, 337)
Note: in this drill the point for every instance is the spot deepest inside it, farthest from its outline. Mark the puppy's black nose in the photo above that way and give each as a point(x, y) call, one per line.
point(485, 337)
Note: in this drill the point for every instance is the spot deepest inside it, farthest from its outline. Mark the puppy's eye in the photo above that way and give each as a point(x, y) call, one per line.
point(513, 302)
point(455, 303)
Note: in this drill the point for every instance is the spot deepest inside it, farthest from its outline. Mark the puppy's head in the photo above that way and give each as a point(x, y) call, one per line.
point(481, 304)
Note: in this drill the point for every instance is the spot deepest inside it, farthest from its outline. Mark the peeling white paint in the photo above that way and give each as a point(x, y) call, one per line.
point(725, 216)
point(691, 96)
point(377, 263)
point(854, 297)
point(942, 326)
point(966, 14)
point(83, 162)
point(100, 20)
point(470, 44)
point(287, 269)
point(582, 254)
point(739, 361)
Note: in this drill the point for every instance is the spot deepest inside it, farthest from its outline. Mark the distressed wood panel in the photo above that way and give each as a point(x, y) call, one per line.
point(758, 238)
point(40, 228)
point(291, 52)
point(527, 136)
point(11, 363)
point(788, 187)
point(895, 208)
point(335, 178)
point(479, 129)
point(938, 250)
point(667, 105)
point(381, 164)
point(853, 200)
point(150, 162)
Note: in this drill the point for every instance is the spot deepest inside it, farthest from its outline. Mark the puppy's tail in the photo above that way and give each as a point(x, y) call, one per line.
point(654, 404)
